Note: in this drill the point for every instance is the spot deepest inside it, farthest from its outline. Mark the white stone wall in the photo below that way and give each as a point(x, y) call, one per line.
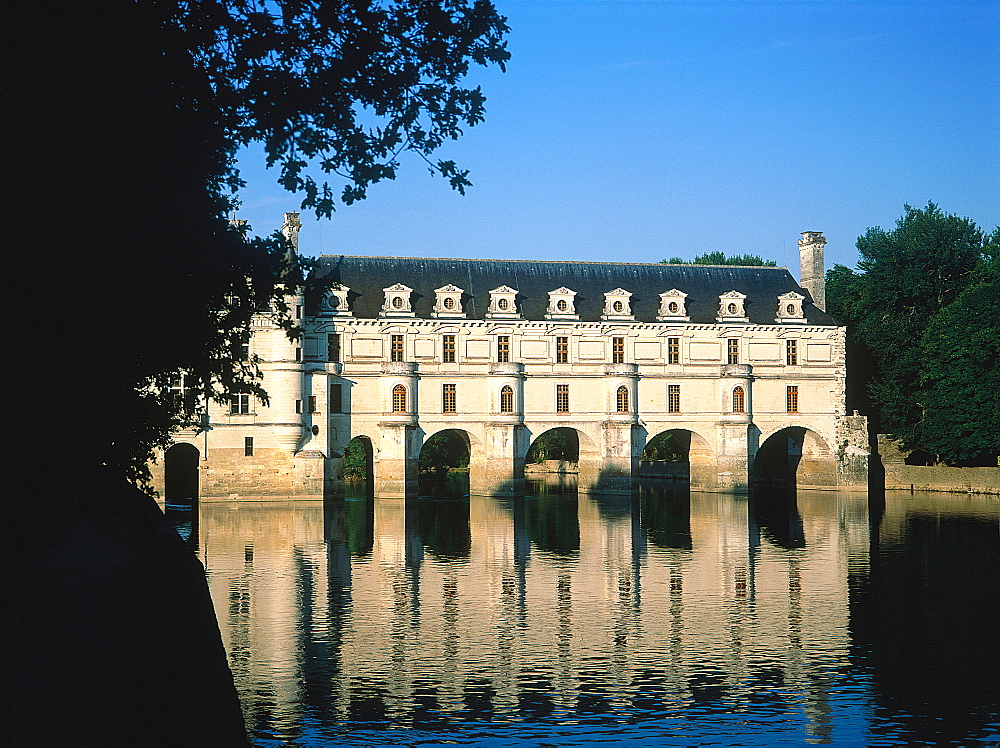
point(366, 379)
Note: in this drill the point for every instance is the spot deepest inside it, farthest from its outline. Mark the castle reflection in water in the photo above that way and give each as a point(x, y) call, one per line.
point(391, 612)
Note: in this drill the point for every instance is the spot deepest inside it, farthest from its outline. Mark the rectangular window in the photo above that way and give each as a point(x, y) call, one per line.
point(333, 347)
point(792, 398)
point(298, 354)
point(562, 350)
point(562, 398)
point(239, 404)
point(734, 350)
point(673, 350)
point(248, 446)
point(395, 347)
point(792, 352)
point(336, 398)
point(503, 348)
point(241, 351)
point(448, 349)
point(298, 406)
point(298, 311)
point(618, 350)
point(313, 404)
point(181, 389)
point(673, 398)
point(449, 399)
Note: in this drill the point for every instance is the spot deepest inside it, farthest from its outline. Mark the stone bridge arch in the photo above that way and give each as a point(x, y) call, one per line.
point(794, 457)
point(696, 460)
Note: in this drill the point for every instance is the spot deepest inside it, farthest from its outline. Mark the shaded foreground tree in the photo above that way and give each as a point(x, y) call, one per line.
point(131, 115)
point(121, 151)
point(923, 326)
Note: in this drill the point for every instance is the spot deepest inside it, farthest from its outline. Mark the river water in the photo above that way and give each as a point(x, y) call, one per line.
point(674, 618)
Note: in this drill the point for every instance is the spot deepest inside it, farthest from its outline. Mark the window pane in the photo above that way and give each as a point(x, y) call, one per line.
point(673, 350)
point(562, 350)
point(622, 399)
point(448, 350)
point(507, 399)
point(617, 350)
point(448, 398)
point(673, 398)
point(399, 399)
point(562, 398)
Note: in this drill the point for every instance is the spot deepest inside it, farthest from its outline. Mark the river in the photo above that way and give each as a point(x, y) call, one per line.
point(672, 618)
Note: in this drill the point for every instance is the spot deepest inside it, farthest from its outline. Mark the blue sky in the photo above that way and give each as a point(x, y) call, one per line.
point(637, 131)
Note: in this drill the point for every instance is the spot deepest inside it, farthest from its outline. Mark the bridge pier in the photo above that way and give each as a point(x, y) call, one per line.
point(614, 469)
point(396, 466)
point(499, 469)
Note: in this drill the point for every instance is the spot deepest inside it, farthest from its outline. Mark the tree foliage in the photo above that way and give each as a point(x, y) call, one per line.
point(920, 325)
point(555, 444)
point(131, 124)
point(444, 450)
point(720, 258)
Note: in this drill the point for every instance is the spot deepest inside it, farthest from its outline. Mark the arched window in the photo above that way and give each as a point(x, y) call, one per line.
point(623, 399)
point(739, 400)
point(507, 399)
point(399, 399)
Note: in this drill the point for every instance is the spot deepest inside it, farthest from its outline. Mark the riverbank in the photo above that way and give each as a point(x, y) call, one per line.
point(936, 478)
point(112, 636)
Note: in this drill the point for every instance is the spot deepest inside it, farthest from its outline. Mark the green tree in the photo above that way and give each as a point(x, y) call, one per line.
point(131, 126)
point(555, 444)
point(447, 449)
point(917, 286)
point(959, 388)
point(720, 258)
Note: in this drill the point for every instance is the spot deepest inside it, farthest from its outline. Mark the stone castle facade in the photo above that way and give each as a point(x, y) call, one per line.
point(743, 361)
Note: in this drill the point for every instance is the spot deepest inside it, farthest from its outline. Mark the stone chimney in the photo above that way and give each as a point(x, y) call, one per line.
point(290, 228)
point(812, 272)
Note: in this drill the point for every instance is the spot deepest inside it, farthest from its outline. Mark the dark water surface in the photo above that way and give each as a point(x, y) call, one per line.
point(673, 618)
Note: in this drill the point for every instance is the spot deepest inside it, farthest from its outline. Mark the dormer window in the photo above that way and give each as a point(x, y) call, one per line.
point(673, 306)
point(335, 301)
point(503, 303)
point(790, 308)
point(448, 302)
point(618, 305)
point(731, 307)
point(562, 304)
point(397, 301)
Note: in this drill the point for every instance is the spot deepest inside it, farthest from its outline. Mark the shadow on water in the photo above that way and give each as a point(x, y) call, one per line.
point(665, 512)
point(774, 509)
point(924, 620)
point(551, 514)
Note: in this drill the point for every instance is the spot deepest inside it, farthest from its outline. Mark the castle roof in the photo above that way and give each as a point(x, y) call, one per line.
point(703, 284)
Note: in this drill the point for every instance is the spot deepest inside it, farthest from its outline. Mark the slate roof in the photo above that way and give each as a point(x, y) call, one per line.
point(703, 284)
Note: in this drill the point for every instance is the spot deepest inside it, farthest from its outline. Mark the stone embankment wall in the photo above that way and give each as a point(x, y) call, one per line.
point(900, 476)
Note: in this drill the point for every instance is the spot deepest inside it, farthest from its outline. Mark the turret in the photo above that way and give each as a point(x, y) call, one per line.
point(811, 266)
